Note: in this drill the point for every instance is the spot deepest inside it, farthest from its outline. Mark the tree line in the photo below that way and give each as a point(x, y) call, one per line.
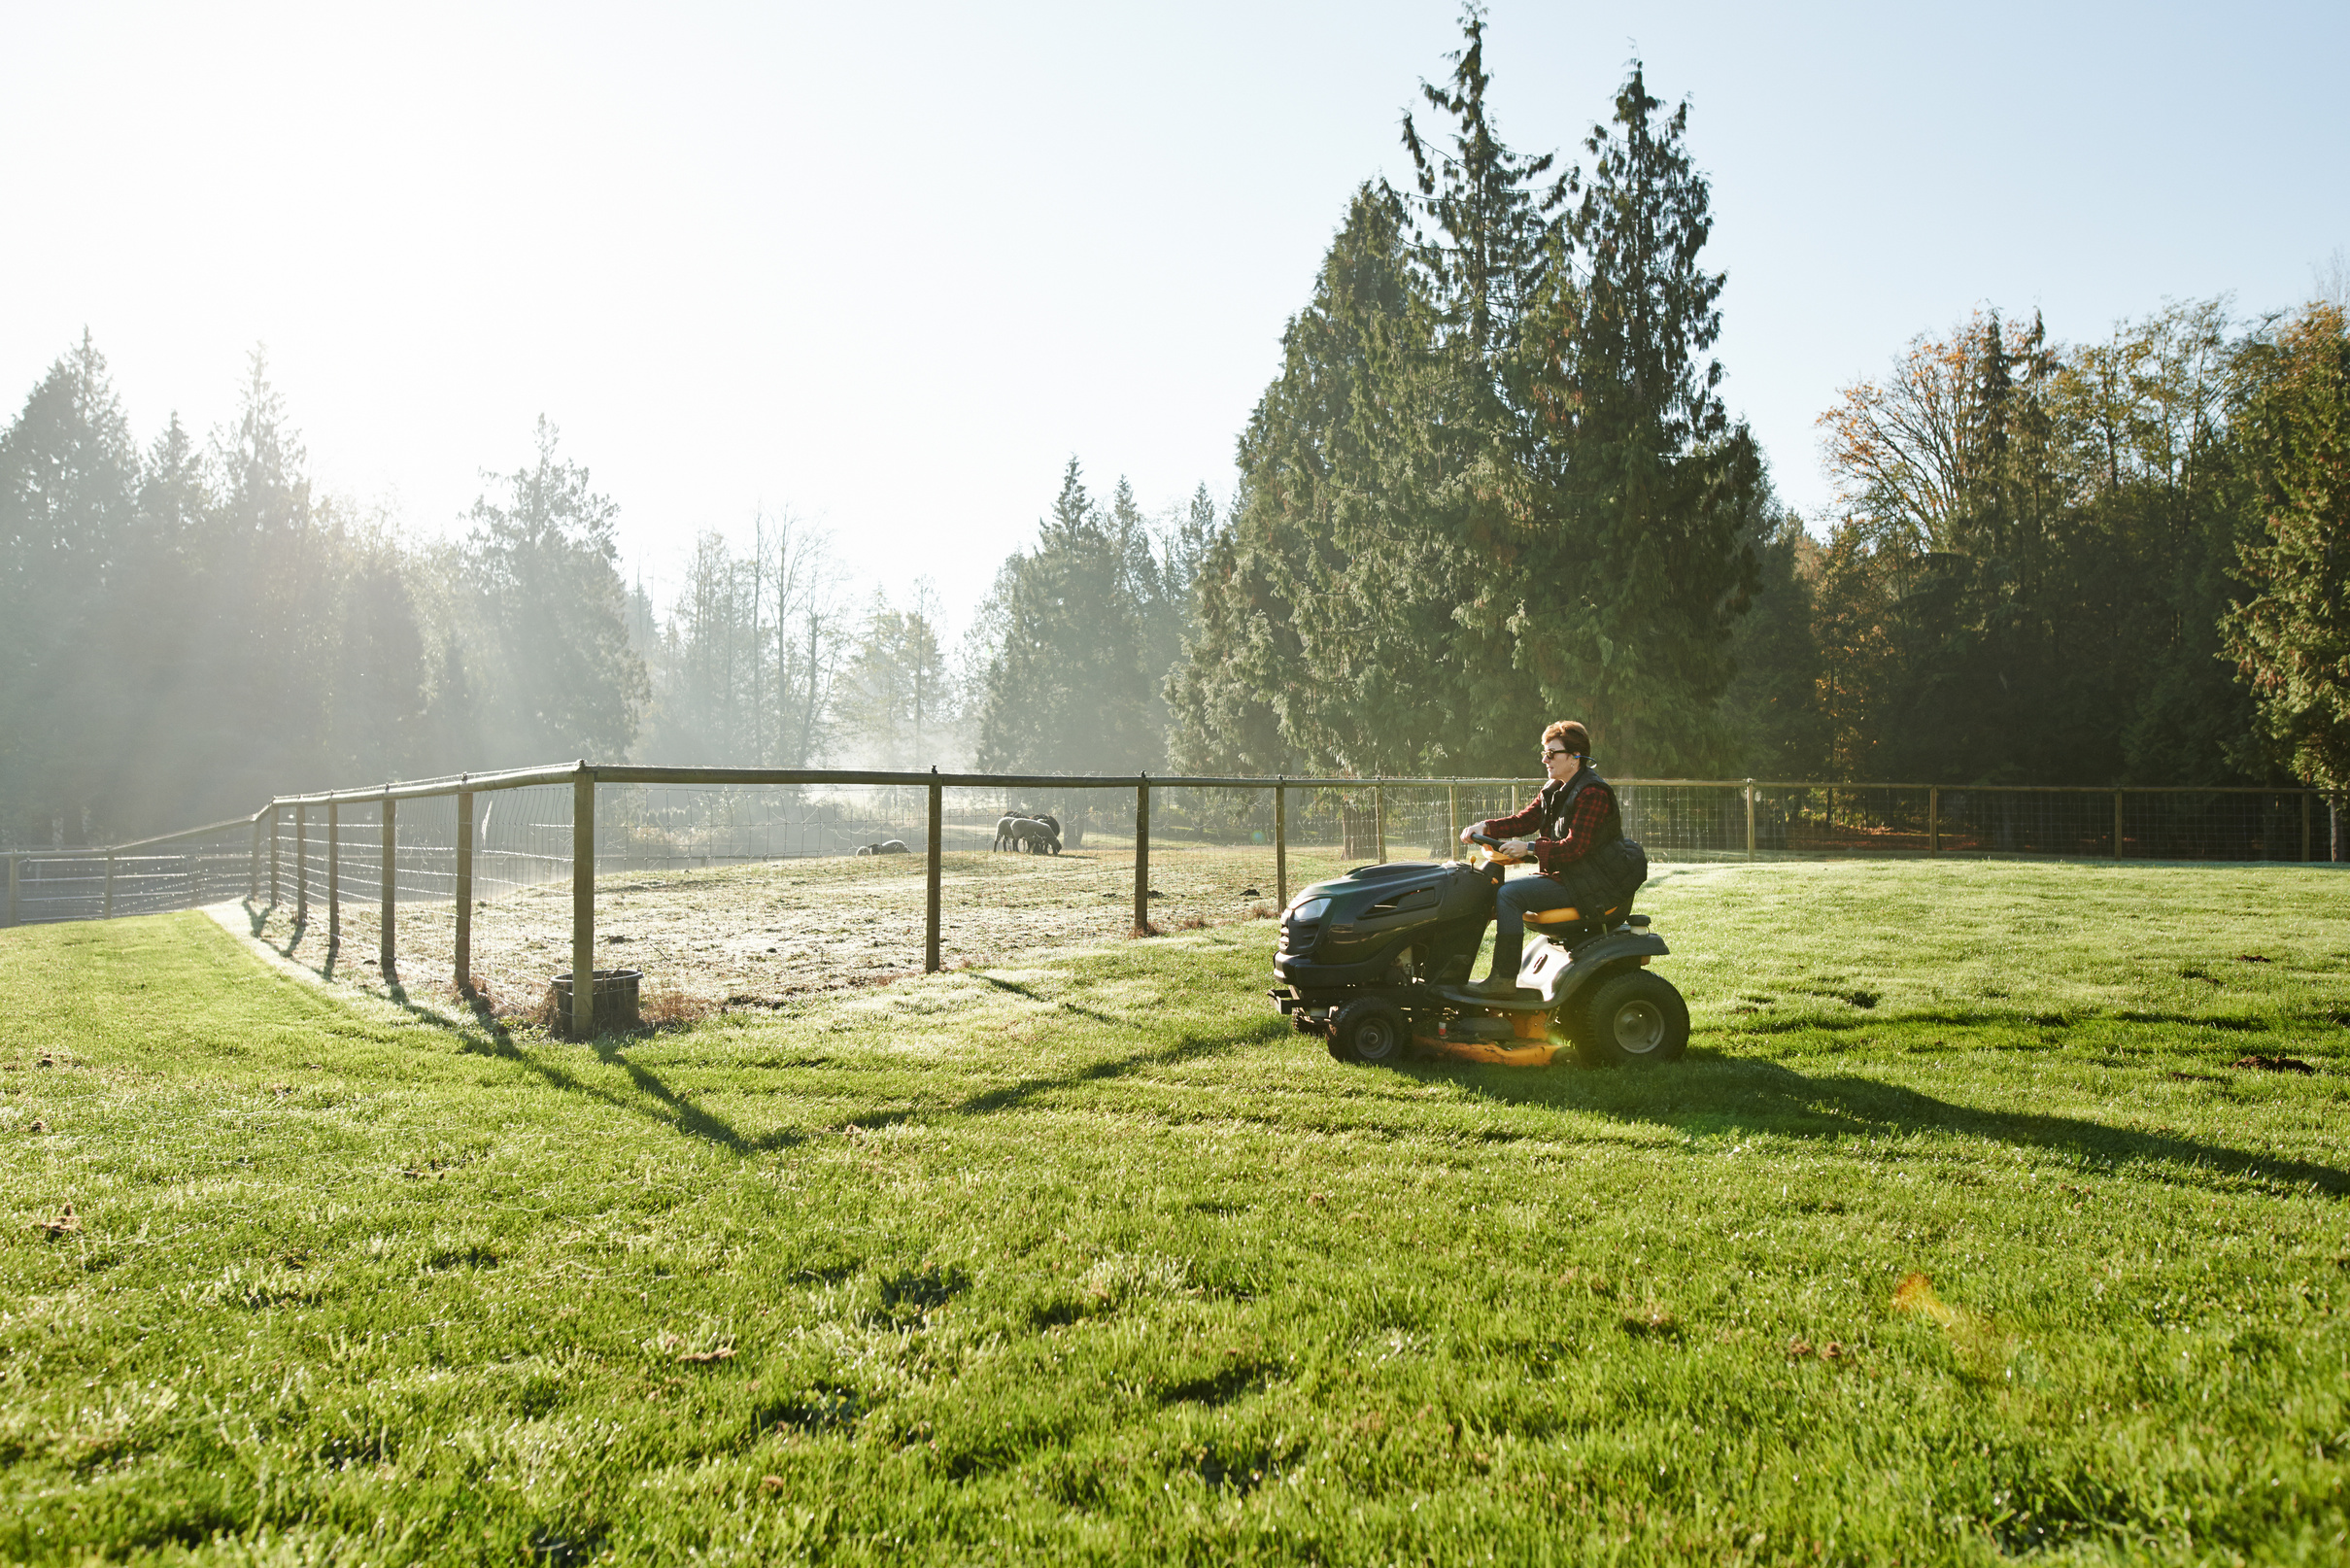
point(187, 626)
point(2046, 561)
point(1494, 482)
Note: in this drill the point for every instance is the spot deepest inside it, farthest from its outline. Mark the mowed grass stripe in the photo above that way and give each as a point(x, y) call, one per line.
point(1090, 1260)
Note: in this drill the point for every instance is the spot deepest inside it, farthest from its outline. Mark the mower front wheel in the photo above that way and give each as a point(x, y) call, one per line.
point(1368, 1029)
point(1633, 1017)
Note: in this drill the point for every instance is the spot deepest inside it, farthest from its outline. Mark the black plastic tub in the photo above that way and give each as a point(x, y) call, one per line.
point(615, 998)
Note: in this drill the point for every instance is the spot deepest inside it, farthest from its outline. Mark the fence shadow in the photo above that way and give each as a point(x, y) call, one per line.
point(479, 1031)
point(1187, 1049)
point(1744, 1095)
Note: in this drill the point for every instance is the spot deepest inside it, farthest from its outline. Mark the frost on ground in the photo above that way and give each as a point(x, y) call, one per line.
point(757, 934)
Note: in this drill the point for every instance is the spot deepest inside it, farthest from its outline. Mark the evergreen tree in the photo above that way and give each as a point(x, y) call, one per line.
point(379, 677)
point(1067, 690)
point(69, 477)
point(568, 684)
point(1489, 483)
point(1641, 489)
point(903, 708)
point(1241, 656)
point(1772, 708)
point(1493, 230)
point(1344, 550)
point(2291, 636)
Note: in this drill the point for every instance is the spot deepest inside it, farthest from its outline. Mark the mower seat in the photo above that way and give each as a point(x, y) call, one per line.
point(1562, 924)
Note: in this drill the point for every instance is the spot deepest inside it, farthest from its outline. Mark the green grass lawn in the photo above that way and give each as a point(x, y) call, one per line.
point(1092, 1260)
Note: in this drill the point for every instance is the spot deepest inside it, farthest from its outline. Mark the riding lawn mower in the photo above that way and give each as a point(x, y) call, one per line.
point(1375, 963)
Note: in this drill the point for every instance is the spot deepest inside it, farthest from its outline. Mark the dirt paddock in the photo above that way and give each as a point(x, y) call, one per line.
point(756, 935)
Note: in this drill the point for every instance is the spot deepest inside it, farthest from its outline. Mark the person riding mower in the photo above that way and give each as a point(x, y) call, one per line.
point(1586, 861)
point(1375, 962)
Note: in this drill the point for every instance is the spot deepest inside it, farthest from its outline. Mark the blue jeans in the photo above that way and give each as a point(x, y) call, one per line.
point(1516, 898)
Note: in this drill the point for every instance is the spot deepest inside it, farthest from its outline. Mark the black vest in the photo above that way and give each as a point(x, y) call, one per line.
point(1558, 807)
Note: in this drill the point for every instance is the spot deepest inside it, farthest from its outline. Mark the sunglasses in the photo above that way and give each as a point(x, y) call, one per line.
point(1557, 751)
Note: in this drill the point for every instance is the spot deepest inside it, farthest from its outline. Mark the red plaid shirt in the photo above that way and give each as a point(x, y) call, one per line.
point(1590, 810)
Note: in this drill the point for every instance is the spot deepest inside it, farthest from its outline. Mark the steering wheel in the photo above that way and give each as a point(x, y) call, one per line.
point(1487, 851)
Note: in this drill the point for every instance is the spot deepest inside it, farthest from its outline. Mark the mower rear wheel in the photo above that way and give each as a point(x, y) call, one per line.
point(1635, 1017)
point(1368, 1029)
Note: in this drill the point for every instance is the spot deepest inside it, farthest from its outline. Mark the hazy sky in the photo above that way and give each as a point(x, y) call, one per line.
point(888, 267)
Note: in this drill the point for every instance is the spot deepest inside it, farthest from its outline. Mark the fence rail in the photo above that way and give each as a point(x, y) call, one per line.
point(506, 833)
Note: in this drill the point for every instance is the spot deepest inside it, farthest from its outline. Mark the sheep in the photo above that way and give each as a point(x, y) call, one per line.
point(1034, 835)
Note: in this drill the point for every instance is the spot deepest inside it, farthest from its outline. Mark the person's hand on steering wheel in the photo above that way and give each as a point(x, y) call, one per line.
point(1517, 851)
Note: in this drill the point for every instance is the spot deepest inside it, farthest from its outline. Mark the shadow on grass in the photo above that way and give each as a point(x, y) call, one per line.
point(1189, 1048)
point(1029, 993)
point(675, 1110)
point(1728, 1095)
point(683, 1114)
point(481, 1032)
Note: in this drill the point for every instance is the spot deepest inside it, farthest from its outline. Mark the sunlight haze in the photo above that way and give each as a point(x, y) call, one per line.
point(890, 267)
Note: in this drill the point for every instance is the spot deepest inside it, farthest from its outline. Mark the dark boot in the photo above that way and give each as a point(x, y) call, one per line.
point(1509, 951)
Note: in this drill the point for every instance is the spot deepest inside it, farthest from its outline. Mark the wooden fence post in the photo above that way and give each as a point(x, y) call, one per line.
point(252, 871)
point(930, 906)
point(464, 890)
point(1281, 841)
point(2305, 825)
point(583, 904)
point(388, 957)
point(109, 885)
point(1750, 819)
point(1378, 821)
point(1453, 816)
point(2117, 824)
point(1142, 857)
point(11, 871)
point(334, 875)
point(273, 854)
point(301, 864)
point(1933, 819)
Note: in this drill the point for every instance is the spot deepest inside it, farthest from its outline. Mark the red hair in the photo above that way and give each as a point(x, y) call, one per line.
point(1576, 737)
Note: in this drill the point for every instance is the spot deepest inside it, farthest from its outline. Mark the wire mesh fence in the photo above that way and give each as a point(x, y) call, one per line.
point(745, 888)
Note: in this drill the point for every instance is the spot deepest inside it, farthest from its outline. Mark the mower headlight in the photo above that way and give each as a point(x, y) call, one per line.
point(1309, 909)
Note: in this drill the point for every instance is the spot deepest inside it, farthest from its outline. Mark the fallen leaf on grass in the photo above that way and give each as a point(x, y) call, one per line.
point(37, 1126)
point(65, 1224)
point(1971, 1334)
point(1798, 1348)
point(771, 1483)
point(1651, 1320)
point(702, 1358)
point(2250, 958)
point(2275, 1063)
